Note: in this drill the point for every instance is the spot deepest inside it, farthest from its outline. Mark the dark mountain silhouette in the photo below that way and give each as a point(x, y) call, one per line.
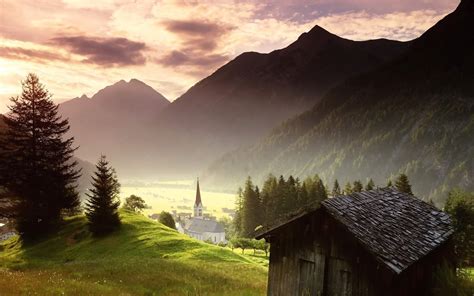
point(413, 115)
point(245, 98)
point(114, 121)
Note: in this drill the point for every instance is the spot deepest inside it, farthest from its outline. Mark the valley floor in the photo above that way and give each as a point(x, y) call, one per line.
point(142, 258)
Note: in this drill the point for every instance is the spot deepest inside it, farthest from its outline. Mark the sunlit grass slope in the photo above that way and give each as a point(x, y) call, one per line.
point(142, 258)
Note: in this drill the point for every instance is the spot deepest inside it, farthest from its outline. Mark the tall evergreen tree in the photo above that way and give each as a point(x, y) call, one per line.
point(251, 209)
point(402, 184)
point(357, 186)
point(36, 166)
point(370, 185)
point(336, 189)
point(268, 198)
point(102, 206)
point(237, 222)
point(321, 190)
point(348, 188)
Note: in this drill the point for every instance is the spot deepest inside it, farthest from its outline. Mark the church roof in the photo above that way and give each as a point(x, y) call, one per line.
point(199, 225)
point(198, 196)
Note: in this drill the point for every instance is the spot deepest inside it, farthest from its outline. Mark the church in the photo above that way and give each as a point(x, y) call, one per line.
point(201, 227)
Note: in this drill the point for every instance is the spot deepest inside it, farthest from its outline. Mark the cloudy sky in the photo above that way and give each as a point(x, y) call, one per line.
point(79, 46)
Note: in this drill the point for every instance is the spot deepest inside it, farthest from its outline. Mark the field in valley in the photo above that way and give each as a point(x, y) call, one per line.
point(179, 196)
point(142, 258)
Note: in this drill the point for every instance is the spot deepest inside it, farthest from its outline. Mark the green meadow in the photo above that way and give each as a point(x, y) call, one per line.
point(142, 258)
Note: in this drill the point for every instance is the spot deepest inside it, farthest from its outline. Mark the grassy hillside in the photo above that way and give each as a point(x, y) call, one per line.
point(143, 257)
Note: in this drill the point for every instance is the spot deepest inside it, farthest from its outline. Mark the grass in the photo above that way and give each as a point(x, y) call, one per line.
point(142, 258)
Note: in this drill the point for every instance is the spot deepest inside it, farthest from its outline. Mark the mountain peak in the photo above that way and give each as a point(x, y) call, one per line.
point(319, 30)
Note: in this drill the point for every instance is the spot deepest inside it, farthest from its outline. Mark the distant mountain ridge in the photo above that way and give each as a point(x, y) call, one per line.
point(248, 96)
point(414, 115)
point(113, 120)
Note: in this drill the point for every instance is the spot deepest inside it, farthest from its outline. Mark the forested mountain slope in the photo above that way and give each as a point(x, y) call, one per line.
point(245, 98)
point(415, 115)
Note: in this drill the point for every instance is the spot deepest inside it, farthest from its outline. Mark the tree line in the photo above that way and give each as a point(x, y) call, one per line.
point(279, 197)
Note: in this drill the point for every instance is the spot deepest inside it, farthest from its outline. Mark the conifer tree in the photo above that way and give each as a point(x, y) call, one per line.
point(320, 190)
point(36, 165)
point(102, 206)
point(251, 209)
point(402, 184)
point(237, 222)
point(268, 198)
point(336, 190)
point(357, 186)
point(370, 185)
point(348, 188)
point(389, 183)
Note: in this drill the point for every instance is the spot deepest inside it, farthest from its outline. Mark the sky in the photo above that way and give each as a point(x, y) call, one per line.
point(80, 46)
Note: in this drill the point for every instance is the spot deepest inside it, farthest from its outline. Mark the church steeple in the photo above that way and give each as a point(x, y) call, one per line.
point(198, 203)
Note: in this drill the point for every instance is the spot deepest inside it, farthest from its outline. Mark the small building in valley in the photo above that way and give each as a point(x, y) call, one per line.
point(379, 242)
point(200, 226)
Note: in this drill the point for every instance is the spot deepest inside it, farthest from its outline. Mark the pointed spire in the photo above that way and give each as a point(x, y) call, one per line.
point(198, 195)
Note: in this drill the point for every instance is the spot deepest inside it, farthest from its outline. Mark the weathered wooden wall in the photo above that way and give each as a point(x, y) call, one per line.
point(315, 255)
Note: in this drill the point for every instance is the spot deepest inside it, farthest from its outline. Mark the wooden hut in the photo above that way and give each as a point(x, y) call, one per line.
point(379, 242)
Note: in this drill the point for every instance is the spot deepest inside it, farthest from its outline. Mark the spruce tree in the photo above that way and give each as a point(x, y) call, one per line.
point(268, 199)
point(370, 185)
point(336, 190)
point(321, 193)
point(348, 188)
point(237, 222)
point(251, 209)
point(36, 165)
point(102, 206)
point(357, 186)
point(402, 184)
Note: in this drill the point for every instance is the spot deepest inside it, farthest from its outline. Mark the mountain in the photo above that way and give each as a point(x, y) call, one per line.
point(245, 98)
point(113, 120)
point(415, 114)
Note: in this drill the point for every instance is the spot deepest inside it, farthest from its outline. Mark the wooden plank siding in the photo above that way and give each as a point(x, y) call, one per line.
point(316, 255)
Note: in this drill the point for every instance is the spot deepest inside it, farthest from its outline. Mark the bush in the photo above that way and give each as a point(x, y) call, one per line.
point(167, 220)
point(450, 282)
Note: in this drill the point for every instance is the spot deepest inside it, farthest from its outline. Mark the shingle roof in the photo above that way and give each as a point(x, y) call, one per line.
point(202, 225)
point(398, 228)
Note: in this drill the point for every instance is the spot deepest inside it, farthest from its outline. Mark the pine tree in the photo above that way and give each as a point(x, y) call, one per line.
point(402, 184)
point(102, 206)
point(348, 188)
point(321, 190)
point(370, 185)
point(336, 189)
point(237, 222)
point(357, 186)
point(268, 197)
point(251, 209)
point(36, 164)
